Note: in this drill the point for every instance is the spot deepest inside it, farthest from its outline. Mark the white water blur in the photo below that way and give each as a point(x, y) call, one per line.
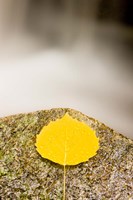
point(57, 59)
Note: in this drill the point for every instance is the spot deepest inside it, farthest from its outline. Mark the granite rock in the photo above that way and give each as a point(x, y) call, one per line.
point(25, 175)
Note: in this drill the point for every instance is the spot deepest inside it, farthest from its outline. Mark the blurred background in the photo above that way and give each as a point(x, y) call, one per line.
point(68, 53)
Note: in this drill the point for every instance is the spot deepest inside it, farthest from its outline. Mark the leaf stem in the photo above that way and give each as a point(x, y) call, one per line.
point(64, 183)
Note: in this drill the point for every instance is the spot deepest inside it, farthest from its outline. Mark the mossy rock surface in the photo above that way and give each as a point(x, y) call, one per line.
point(24, 174)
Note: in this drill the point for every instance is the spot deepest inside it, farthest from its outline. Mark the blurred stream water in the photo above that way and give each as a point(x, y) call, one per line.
point(61, 55)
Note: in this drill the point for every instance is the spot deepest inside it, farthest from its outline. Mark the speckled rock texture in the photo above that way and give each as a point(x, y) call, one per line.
point(24, 174)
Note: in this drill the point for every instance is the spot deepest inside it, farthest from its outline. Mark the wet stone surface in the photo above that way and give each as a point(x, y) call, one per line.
point(24, 174)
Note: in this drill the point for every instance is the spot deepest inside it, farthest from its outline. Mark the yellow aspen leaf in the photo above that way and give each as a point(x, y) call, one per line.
point(67, 141)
